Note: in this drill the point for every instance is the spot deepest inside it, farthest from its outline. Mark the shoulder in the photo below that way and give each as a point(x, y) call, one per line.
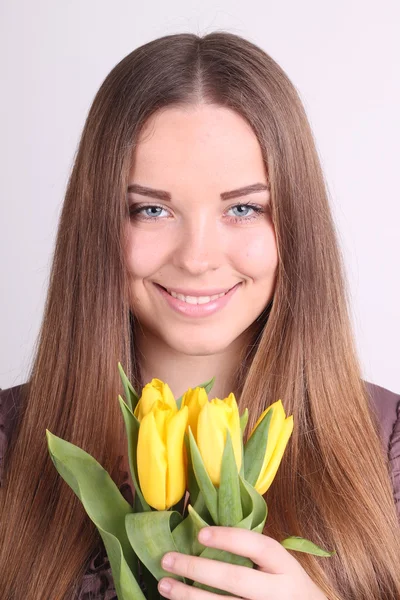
point(10, 405)
point(386, 407)
point(97, 579)
point(10, 401)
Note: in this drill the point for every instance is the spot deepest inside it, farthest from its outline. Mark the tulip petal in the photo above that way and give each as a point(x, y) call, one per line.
point(149, 396)
point(162, 412)
point(207, 385)
point(270, 407)
point(132, 431)
point(211, 435)
point(165, 392)
point(267, 477)
point(153, 391)
point(152, 463)
point(176, 473)
point(194, 400)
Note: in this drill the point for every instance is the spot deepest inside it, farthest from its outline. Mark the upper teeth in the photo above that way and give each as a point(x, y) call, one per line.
point(196, 299)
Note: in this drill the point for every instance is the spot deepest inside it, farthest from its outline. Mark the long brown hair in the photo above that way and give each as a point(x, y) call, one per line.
point(333, 485)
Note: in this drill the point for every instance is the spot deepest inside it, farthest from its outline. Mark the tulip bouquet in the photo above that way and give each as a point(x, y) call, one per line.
point(190, 469)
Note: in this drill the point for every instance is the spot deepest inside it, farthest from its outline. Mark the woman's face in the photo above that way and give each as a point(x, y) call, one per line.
point(203, 238)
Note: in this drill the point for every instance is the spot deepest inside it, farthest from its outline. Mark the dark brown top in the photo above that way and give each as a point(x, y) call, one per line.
point(97, 583)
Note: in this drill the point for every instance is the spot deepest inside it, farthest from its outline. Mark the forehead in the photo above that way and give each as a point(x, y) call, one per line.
point(206, 139)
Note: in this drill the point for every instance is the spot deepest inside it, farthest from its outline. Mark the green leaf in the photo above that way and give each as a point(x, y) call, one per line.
point(105, 506)
point(243, 420)
point(131, 395)
point(223, 556)
point(229, 502)
point(150, 536)
point(302, 545)
point(132, 432)
point(203, 479)
point(201, 509)
point(185, 534)
point(246, 522)
point(255, 448)
point(192, 484)
point(198, 523)
point(253, 504)
point(207, 386)
point(247, 507)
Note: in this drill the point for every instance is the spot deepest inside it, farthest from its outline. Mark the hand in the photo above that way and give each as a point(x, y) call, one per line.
point(278, 575)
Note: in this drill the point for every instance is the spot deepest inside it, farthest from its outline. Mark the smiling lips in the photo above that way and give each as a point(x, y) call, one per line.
point(196, 304)
point(196, 297)
point(199, 293)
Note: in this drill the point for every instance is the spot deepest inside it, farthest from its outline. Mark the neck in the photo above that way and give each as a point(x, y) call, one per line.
point(183, 371)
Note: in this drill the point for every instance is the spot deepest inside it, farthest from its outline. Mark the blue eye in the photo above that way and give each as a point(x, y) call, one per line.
point(256, 209)
point(138, 211)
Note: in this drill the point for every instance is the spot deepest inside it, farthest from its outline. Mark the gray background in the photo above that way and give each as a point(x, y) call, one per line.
point(343, 57)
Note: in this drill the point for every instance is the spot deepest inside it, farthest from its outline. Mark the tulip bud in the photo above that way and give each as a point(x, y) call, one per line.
point(280, 430)
point(215, 417)
point(194, 399)
point(153, 391)
point(160, 461)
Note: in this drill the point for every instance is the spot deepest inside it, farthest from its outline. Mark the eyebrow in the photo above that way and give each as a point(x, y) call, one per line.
point(166, 196)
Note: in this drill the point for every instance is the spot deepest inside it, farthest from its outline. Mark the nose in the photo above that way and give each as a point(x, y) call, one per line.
point(199, 246)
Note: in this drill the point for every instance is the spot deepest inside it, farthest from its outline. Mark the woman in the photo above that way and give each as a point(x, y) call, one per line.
point(152, 206)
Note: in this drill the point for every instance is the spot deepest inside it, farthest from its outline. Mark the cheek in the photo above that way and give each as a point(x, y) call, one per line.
point(144, 253)
point(258, 255)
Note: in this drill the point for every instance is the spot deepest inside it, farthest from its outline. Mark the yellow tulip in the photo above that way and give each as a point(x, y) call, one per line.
point(153, 391)
point(194, 399)
point(280, 430)
point(214, 419)
point(160, 459)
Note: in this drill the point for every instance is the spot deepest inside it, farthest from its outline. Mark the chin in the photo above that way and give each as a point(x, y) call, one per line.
point(198, 347)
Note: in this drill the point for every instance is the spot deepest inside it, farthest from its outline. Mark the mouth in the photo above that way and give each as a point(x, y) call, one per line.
point(195, 299)
point(196, 306)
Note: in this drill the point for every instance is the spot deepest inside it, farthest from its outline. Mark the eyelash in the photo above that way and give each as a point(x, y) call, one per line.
point(135, 210)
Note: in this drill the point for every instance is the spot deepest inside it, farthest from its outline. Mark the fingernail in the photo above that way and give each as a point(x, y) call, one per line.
point(167, 561)
point(204, 535)
point(164, 586)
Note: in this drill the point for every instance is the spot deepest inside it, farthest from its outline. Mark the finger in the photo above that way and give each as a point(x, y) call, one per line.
point(238, 580)
point(170, 588)
point(264, 551)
